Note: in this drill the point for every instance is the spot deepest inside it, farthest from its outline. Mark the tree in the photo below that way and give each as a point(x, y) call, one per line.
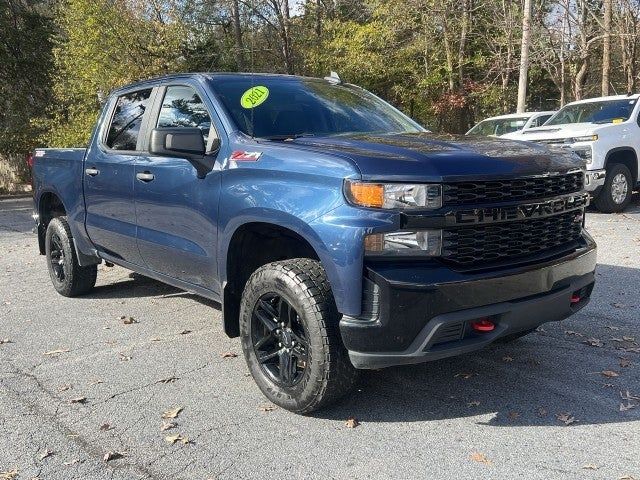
point(524, 56)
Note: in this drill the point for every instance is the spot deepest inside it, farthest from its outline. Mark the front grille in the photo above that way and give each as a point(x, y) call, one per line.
point(485, 244)
point(531, 188)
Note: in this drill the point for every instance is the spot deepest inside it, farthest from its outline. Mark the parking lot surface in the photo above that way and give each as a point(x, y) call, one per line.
point(80, 384)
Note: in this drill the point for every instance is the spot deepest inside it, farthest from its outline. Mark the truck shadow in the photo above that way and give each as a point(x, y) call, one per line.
point(544, 379)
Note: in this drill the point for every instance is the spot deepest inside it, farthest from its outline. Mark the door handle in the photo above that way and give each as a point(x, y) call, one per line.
point(92, 172)
point(145, 176)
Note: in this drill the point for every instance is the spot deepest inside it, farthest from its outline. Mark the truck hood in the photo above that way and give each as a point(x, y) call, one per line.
point(433, 158)
point(554, 132)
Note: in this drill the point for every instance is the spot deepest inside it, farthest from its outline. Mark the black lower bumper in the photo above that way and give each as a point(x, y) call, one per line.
point(413, 313)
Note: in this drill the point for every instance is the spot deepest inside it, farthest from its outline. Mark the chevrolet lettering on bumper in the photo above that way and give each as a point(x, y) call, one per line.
point(517, 212)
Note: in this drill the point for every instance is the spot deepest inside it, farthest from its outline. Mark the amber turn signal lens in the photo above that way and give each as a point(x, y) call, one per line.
point(366, 194)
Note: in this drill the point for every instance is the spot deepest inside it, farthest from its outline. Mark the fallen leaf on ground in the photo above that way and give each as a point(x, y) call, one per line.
point(618, 305)
point(112, 456)
point(128, 320)
point(625, 362)
point(185, 332)
point(5, 340)
point(628, 396)
point(167, 426)
point(629, 339)
point(9, 474)
point(628, 406)
point(267, 408)
point(571, 332)
point(611, 327)
point(168, 380)
point(542, 412)
point(95, 382)
point(632, 349)
point(45, 454)
point(513, 416)
point(352, 422)
point(72, 462)
point(57, 352)
point(590, 466)
point(627, 477)
point(173, 413)
point(124, 357)
point(105, 427)
point(64, 388)
point(593, 342)
point(610, 373)
point(466, 376)
point(566, 418)
point(475, 403)
point(228, 355)
point(176, 438)
point(507, 359)
point(78, 400)
point(480, 458)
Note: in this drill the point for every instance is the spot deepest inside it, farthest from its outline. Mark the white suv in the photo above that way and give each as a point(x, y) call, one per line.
point(605, 133)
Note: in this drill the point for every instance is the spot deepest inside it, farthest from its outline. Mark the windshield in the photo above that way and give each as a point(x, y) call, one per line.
point(499, 126)
point(278, 108)
point(610, 111)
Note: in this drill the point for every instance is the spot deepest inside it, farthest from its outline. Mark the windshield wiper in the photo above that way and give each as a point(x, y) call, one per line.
point(287, 137)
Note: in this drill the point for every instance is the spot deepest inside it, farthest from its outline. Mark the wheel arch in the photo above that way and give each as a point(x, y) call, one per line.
point(49, 206)
point(255, 242)
point(626, 156)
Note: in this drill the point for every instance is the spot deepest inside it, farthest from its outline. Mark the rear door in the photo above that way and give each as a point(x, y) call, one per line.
point(176, 211)
point(109, 176)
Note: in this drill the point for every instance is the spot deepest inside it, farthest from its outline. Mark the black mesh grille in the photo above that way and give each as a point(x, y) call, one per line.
point(473, 245)
point(465, 193)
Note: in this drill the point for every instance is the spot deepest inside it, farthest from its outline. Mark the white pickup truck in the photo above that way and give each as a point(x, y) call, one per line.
point(605, 132)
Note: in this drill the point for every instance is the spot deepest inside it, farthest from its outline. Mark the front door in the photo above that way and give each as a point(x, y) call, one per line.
point(110, 176)
point(176, 211)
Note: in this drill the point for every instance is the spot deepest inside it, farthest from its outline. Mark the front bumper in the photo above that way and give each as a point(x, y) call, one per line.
point(413, 314)
point(594, 179)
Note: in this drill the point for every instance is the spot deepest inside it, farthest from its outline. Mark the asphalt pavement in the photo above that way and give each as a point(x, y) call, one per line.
point(79, 385)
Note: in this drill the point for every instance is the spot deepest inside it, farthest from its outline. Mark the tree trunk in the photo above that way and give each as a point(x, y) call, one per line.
point(606, 48)
point(524, 57)
point(237, 33)
point(464, 27)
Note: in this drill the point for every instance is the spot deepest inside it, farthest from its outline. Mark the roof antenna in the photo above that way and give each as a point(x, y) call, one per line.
point(333, 78)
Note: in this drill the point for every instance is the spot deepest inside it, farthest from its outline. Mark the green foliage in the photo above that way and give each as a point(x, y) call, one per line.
point(103, 45)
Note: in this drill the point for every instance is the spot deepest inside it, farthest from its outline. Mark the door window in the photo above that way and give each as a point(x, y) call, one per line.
point(127, 119)
point(182, 107)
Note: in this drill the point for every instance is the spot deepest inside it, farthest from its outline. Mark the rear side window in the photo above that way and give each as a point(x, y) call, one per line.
point(127, 119)
point(182, 107)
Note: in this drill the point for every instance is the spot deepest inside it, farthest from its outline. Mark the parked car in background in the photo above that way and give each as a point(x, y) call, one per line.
point(336, 233)
point(505, 124)
point(605, 133)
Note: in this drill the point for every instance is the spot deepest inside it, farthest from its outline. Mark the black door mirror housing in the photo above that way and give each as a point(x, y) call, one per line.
point(185, 143)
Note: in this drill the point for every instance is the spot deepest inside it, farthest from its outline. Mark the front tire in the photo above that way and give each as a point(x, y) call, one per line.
point(290, 336)
point(68, 277)
point(617, 190)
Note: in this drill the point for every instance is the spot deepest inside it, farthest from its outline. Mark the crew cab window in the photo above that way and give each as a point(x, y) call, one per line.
point(537, 122)
point(127, 119)
point(182, 107)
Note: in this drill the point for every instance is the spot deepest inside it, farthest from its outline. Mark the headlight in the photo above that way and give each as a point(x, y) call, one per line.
point(394, 195)
point(421, 242)
point(586, 138)
point(584, 153)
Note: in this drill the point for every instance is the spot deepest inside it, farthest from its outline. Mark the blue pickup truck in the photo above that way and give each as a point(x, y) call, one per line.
point(336, 233)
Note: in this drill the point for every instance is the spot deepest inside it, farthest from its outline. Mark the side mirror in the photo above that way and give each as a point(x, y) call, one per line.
point(182, 143)
point(177, 142)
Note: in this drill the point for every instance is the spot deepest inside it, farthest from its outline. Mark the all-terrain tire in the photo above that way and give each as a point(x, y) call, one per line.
point(68, 277)
point(328, 373)
point(606, 199)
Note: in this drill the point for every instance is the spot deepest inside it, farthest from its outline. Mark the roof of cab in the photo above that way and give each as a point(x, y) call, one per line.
point(203, 76)
point(634, 96)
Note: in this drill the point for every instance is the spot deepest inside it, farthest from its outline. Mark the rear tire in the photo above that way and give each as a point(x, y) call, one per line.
point(617, 190)
point(290, 336)
point(68, 277)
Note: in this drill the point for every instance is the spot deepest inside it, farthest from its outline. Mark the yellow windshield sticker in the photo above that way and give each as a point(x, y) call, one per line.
point(617, 120)
point(254, 96)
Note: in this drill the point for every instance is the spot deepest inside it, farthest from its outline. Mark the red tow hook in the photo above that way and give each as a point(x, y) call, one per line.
point(575, 298)
point(482, 325)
